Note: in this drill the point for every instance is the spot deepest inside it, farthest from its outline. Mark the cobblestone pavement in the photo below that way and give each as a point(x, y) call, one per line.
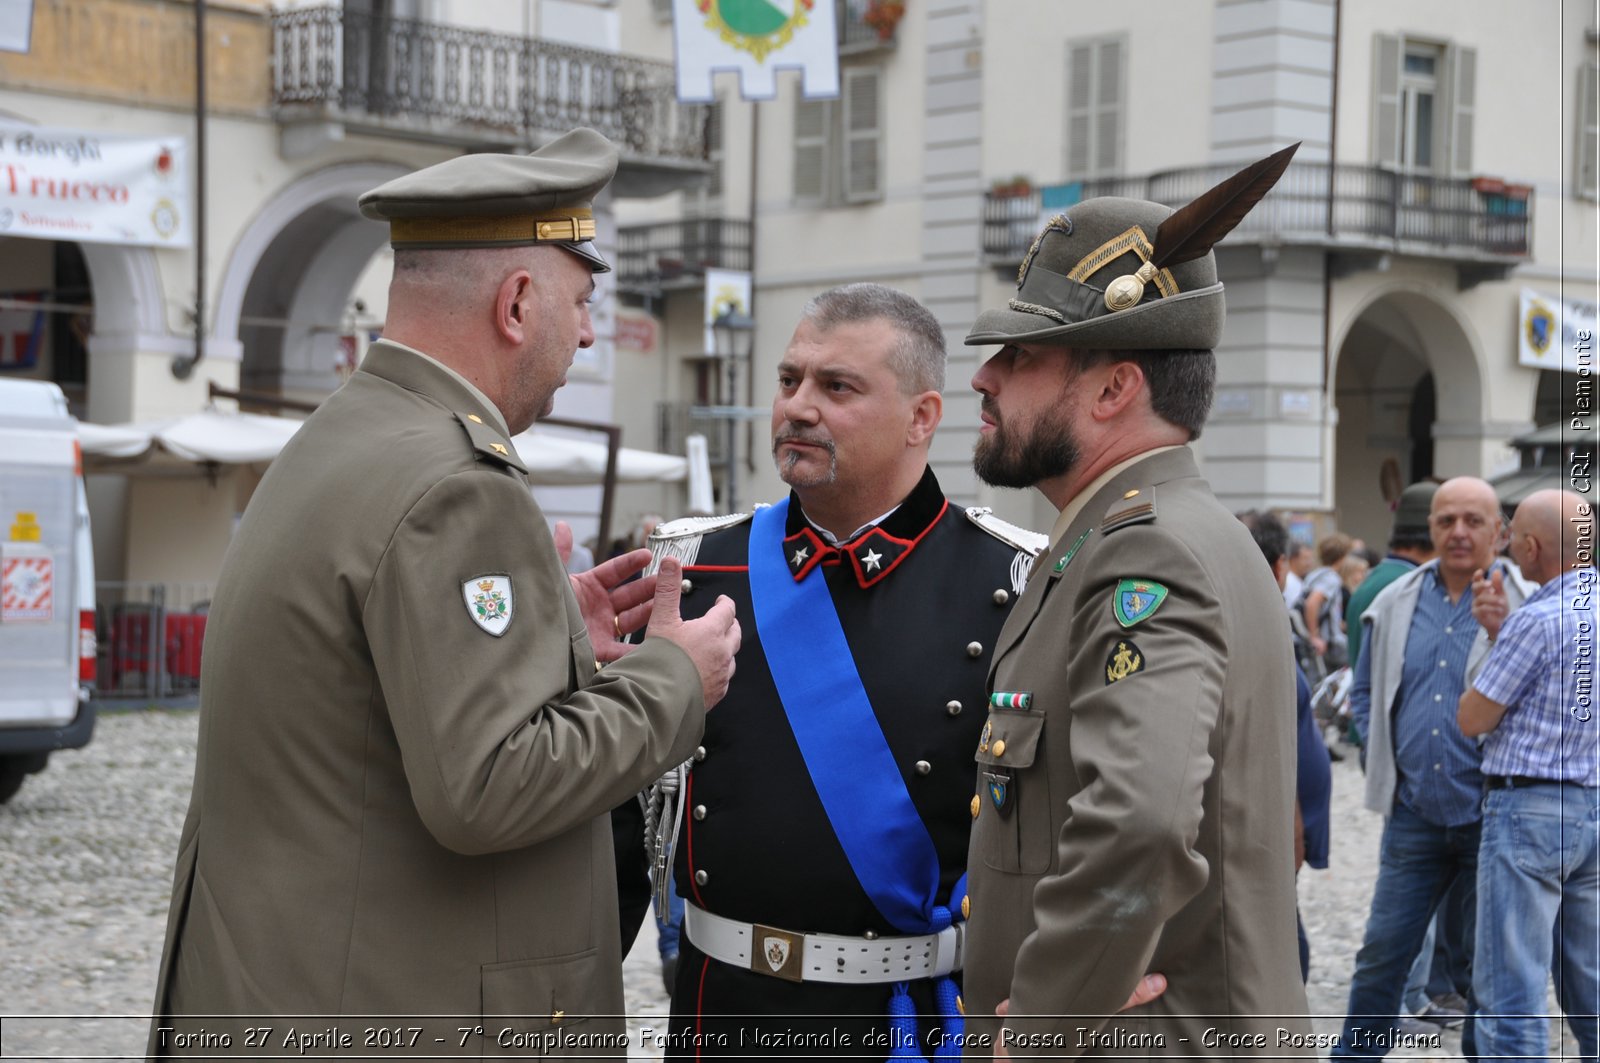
point(86, 854)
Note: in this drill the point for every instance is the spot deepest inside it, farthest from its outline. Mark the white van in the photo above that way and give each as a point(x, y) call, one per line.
point(47, 641)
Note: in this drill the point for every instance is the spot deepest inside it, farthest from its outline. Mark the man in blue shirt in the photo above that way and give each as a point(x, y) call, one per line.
point(1539, 862)
point(1420, 644)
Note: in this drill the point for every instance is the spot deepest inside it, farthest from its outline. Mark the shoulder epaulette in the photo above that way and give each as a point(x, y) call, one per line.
point(1135, 507)
point(1006, 532)
point(489, 443)
point(681, 538)
point(1028, 544)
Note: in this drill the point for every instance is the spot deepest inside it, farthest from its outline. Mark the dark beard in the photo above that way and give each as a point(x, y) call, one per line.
point(1016, 460)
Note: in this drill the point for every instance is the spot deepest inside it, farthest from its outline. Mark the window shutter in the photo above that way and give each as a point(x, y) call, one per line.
point(811, 119)
point(1587, 169)
point(1094, 108)
point(1463, 66)
point(1080, 98)
point(714, 154)
point(863, 136)
point(1108, 113)
point(1387, 55)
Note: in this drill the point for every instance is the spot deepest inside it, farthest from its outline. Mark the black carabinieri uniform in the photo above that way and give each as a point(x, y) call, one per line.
point(921, 598)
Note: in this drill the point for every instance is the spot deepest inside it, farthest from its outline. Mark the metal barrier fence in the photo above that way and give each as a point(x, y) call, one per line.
point(149, 638)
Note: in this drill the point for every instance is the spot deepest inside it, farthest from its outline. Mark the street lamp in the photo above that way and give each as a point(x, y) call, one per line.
point(734, 334)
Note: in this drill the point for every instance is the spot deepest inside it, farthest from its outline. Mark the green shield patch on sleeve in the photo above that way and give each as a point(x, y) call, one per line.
point(1136, 600)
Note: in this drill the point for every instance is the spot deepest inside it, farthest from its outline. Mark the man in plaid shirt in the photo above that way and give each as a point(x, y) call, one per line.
point(1539, 858)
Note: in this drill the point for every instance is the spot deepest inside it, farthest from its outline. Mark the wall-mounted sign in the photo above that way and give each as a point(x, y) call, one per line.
point(1555, 333)
point(16, 25)
point(71, 184)
point(637, 332)
point(727, 292)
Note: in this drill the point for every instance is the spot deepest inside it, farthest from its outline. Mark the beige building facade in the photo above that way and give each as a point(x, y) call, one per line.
point(1446, 164)
point(306, 106)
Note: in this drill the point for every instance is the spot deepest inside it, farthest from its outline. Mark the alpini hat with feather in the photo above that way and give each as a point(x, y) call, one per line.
point(1128, 274)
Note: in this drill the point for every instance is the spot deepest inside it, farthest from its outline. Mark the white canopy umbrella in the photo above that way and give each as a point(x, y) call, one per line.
point(209, 437)
point(227, 437)
point(554, 459)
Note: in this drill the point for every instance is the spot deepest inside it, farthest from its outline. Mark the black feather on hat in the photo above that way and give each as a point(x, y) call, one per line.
point(1129, 274)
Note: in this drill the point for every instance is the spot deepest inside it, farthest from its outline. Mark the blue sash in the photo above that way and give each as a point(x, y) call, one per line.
point(845, 751)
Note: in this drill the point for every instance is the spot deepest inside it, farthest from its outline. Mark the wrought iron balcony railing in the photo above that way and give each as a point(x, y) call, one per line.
point(651, 258)
point(1372, 209)
point(409, 77)
point(677, 420)
point(853, 31)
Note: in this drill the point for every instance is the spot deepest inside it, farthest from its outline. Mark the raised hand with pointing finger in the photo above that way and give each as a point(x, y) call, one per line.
point(1489, 605)
point(710, 640)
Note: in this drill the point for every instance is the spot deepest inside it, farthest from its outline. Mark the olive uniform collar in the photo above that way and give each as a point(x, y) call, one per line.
point(415, 371)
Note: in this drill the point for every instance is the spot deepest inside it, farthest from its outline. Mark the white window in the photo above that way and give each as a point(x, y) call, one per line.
point(838, 144)
point(1424, 97)
point(1586, 168)
point(1094, 107)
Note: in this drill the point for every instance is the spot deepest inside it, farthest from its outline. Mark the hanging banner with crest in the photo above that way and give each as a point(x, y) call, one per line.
point(1552, 332)
point(755, 39)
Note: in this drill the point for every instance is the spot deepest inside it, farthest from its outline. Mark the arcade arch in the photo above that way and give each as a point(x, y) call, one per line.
point(1408, 386)
point(287, 287)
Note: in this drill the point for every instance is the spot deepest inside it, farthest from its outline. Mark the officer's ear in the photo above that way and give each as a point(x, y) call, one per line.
point(513, 307)
point(927, 409)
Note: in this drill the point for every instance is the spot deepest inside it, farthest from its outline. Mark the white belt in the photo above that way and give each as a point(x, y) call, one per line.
point(824, 957)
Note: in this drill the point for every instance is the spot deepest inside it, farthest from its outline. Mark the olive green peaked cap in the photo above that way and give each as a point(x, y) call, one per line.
point(502, 200)
point(1108, 275)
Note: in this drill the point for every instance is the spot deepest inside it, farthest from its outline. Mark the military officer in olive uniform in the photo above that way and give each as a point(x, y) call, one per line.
point(1136, 773)
point(828, 807)
point(407, 754)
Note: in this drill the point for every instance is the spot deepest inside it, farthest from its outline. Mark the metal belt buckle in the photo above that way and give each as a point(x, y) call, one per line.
point(777, 953)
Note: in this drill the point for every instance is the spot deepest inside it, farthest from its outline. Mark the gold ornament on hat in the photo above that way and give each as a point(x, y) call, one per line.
point(1191, 231)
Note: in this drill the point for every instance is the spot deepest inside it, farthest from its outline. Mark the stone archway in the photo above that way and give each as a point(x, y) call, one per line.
point(1408, 384)
point(285, 291)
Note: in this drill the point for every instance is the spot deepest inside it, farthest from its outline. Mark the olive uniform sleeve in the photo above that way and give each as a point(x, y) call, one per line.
point(1145, 699)
point(511, 739)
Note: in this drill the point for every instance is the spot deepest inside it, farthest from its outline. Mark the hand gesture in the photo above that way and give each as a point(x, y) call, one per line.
point(710, 641)
point(1489, 604)
point(611, 606)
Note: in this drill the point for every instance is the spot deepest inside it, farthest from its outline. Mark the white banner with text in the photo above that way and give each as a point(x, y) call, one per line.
point(71, 184)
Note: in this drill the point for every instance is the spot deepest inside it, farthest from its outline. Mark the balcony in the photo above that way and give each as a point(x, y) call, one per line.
point(475, 89)
point(853, 31)
point(677, 420)
point(652, 259)
point(1481, 225)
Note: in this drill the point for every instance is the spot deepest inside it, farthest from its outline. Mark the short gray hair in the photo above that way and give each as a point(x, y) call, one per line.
point(918, 357)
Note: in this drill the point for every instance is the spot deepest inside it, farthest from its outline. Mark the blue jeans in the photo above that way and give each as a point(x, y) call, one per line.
point(1442, 966)
point(1417, 863)
point(1538, 894)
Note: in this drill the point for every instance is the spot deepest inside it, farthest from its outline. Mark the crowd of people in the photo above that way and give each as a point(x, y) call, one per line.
point(1477, 819)
point(967, 789)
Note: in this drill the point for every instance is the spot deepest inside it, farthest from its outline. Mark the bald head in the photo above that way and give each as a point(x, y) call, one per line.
point(1551, 532)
